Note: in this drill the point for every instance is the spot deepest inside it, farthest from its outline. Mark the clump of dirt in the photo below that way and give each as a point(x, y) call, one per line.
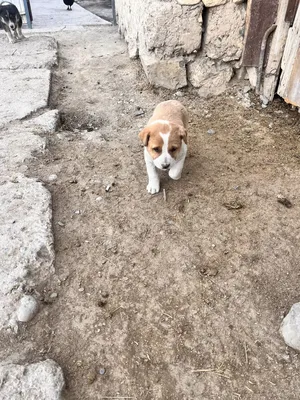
point(177, 299)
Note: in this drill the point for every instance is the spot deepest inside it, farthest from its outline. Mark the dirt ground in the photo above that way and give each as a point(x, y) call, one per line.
point(166, 300)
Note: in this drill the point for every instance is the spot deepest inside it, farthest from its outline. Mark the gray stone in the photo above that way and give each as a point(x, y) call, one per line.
point(26, 242)
point(17, 144)
point(164, 28)
point(170, 74)
point(28, 308)
point(34, 52)
point(44, 123)
point(188, 2)
point(39, 381)
point(211, 131)
point(30, 93)
point(210, 76)
point(52, 178)
point(224, 35)
point(213, 3)
point(290, 327)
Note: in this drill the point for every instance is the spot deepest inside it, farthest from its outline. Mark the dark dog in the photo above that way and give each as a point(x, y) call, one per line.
point(11, 21)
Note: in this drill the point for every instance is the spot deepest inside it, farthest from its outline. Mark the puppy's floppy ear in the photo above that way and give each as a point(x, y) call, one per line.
point(182, 133)
point(144, 135)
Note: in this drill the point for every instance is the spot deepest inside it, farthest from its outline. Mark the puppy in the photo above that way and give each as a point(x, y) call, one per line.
point(11, 21)
point(165, 142)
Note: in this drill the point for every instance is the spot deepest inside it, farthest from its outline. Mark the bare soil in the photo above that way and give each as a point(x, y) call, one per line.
point(173, 300)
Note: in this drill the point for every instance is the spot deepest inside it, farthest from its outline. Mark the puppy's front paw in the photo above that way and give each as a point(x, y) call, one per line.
point(176, 175)
point(153, 187)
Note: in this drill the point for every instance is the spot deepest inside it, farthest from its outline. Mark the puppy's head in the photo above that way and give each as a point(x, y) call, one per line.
point(164, 142)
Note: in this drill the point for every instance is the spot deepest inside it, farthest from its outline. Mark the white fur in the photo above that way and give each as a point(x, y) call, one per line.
point(175, 166)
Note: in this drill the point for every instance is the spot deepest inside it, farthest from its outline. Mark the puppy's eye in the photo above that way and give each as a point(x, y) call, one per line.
point(156, 149)
point(173, 149)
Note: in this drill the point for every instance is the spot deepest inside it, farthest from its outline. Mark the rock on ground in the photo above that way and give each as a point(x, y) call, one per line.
point(290, 327)
point(32, 52)
point(40, 381)
point(20, 141)
point(22, 93)
point(26, 242)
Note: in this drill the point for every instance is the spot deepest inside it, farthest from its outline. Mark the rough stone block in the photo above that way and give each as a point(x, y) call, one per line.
point(40, 381)
point(22, 93)
point(170, 74)
point(209, 76)
point(223, 39)
point(290, 327)
point(26, 242)
point(188, 2)
point(213, 3)
point(34, 52)
point(165, 28)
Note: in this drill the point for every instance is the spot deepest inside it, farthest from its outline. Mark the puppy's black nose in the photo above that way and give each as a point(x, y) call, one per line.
point(165, 166)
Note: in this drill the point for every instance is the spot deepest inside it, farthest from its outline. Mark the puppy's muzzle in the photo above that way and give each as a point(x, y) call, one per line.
point(165, 166)
point(12, 27)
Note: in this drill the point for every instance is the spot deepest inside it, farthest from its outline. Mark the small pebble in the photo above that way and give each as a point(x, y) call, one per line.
point(284, 201)
point(53, 295)
point(81, 289)
point(139, 113)
point(77, 212)
point(52, 178)
point(102, 302)
point(27, 309)
point(246, 89)
point(179, 94)
point(102, 371)
point(211, 131)
point(61, 223)
point(91, 377)
point(108, 188)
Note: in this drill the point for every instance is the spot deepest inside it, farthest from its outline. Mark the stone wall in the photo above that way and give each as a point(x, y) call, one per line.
point(185, 41)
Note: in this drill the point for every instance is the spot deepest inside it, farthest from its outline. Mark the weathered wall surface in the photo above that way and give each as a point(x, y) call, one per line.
point(176, 47)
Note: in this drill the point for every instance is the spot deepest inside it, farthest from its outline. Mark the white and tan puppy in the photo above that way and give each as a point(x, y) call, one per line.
point(165, 142)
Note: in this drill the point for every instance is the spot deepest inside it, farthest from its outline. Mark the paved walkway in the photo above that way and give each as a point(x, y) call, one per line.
point(53, 14)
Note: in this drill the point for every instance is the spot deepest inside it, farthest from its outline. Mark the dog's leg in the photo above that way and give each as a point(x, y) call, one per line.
point(9, 35)
point(20, 34)
point(176, 171)
point(153, 178)
point(19, 31)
